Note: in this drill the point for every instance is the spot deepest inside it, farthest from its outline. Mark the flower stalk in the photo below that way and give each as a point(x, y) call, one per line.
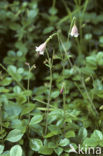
point(41, 49)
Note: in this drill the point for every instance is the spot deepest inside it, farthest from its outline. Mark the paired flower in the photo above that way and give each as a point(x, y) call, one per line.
point(41, 48)
point(74, 31)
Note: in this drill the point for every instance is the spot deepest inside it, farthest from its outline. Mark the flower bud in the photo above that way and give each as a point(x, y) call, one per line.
point(61, 91)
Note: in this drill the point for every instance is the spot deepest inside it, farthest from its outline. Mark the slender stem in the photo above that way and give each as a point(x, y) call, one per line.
point(83, 83)
point(78, 47)
point(50, 89)
point(54, 2)
point(1, 117)
point(50, 62)
point(89, 99)
point(66, 54)
point(64, 106)
point(93, 107)
point(50, 37)
point(28, 85)
point(64, 92)
point(81, 19)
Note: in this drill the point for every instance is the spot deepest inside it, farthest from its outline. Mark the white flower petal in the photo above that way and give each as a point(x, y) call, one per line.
point(41, 53)
point(41, 48)
point(74, 31)
point(76, 35)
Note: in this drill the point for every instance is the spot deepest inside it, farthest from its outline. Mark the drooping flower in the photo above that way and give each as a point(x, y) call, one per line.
point(74, 31)
point(41, 48)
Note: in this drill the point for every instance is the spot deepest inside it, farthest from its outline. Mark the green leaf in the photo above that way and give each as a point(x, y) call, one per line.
point(27, 108)
point(14, 135)
point(40, 90)
point(60, 123)
point(48, 30)
point(14, 26)
point(98, 84)
point(36, 119)
point(90, 142)
point(99, 58)
point(88, 70)
point(53, 11)
point(16, 150)
point(64, 142)
point(19, 124)
point(82, 133)
point(45, 150)
point(17, 89)
point(97, 135)
point(52, 145)
point(6, 81)
point(88, 36)
point(58, 150)
point(35, 144)
point(12, 70)
point(99, 93)
point(51, 134)
point(91, 61)
point(32, 13)
point(1, 149)
point(54, 130)
point(12, 108)
point(21, 46)
point(27, 92)
point(35, 128)
point(53, 116)
point(20, 70)
point(55, 94)
point(6, 153)
point(3, 90)
point(70, 134)
point(68, 72)
point(101, 41)
point(21, 98)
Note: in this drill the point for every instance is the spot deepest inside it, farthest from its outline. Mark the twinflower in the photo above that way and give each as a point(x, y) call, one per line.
point(41, 48)
point(74, 31)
